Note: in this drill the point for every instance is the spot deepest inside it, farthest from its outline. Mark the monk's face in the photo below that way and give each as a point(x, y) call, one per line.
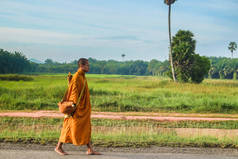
point(85, 67)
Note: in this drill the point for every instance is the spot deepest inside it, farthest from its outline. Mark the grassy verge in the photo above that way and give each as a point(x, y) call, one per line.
point(12, 122)
point(119, 133)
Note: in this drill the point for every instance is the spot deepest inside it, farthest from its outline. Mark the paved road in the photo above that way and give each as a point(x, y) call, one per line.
point(35, 151)
point(34, 154)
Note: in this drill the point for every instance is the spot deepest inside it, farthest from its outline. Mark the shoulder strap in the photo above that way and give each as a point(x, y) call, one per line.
point(81, 93)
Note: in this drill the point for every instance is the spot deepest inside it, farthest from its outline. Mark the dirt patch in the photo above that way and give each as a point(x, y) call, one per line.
point(123, 116)
point(183, 132)
point(195, 132)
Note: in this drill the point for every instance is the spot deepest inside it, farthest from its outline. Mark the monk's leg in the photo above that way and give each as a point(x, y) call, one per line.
point(59, 149)
point(91, 151)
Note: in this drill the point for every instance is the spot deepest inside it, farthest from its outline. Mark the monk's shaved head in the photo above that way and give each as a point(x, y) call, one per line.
point(82, 61)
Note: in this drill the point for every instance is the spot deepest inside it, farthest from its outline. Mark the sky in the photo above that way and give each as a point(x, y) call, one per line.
point(66, 30)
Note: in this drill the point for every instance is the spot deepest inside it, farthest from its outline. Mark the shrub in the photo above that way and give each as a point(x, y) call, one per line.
point(15, 78)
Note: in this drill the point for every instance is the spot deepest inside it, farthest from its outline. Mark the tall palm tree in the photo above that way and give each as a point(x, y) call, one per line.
point(232, 47)
point(169, 3)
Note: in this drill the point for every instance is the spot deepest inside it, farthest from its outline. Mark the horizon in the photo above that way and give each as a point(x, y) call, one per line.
point(42, 62)
point(102, 29)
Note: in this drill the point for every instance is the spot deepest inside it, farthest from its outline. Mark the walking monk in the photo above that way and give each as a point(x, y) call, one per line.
point(77, 128)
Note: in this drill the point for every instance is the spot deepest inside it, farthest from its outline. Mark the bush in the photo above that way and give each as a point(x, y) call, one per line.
point(188, 66)
point(200, 68)
point(15, 78)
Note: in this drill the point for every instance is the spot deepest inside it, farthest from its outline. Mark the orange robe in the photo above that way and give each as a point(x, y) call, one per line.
point(77, 129)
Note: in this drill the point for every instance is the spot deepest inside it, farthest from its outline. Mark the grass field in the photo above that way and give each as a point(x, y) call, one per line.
point(124, 93)
point(121, 133)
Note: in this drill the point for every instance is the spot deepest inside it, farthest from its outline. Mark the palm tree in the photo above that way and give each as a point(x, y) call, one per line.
point(232, 47)
point(123, 55)
point(169, 3)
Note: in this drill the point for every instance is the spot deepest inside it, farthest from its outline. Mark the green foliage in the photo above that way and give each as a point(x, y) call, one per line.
point(96, 67)
point(188, 65)
point(200, 67)
point(158, 68)
point(183, 48)
point(224, 68)
point(169, 2)
point(49, 61)
point(13, 62)
point(232, 47)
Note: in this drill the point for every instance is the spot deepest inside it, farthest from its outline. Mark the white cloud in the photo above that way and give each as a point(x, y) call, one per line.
point(35, 36)
point(89, 26)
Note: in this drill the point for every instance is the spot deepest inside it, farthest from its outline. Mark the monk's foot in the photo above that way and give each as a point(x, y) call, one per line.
point(93, 153)
point(60, 151)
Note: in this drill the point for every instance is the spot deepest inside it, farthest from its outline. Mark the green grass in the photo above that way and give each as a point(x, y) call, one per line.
point(11, 122)
point(116, 133)
point(120, 93)
point(166, 124)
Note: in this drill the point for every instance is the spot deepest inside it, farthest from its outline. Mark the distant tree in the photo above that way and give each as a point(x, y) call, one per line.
point(189, 67)
point(169, 3)
point(13, 62)
point(138, 67)
point(232, 47)
point(183, 46)
point(221, 67)
point(153, 67)
point(158, 68)
point(200, 68)
point(123, 56)
point(49, 61)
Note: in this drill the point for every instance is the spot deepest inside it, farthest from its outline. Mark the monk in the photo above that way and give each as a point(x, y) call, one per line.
point(77, 128)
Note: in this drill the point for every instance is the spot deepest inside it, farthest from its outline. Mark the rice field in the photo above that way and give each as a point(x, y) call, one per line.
point(118, 93)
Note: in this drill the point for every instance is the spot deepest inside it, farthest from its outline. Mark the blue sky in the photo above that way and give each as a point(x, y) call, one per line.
point(65, 30)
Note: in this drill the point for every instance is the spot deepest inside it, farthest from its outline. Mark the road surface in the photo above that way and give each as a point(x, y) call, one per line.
point(21, 151)
point(30, 154)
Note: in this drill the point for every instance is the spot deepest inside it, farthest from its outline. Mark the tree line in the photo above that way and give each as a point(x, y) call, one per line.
point(13, 62)
point(221, 67)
